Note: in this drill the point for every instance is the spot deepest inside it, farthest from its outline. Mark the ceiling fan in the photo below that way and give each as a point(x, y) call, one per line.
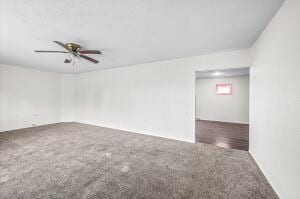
point(74, 51)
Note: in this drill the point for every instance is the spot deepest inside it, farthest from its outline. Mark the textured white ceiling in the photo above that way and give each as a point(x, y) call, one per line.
point(223, 73)
point(127, 32)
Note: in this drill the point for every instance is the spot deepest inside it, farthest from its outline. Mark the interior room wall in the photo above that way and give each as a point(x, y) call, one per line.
point(68, 97)
point(225, 108)
point(28, 97)
point(156, 98)
point(275, 101)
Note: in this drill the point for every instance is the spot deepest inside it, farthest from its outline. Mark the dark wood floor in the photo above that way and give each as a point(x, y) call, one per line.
point(223, 134)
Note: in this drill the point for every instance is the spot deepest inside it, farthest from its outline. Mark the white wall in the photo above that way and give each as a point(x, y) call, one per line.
point(156, 98)
point(67, 97)
point(28, 97)
point(224, 108)
point(275, 101)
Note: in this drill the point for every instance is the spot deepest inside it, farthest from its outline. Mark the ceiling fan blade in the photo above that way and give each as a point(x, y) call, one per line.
point(90, 52)
point(49, 51)
point(62, 45)
point(89, 59)
point(67, 61)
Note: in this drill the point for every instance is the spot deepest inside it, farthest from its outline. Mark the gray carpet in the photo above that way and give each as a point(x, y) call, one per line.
point(72, 160)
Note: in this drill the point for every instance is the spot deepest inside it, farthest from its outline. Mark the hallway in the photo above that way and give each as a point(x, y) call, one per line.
point(223, 134)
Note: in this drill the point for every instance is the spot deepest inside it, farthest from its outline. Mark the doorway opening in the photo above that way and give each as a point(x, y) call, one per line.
point(222, 108)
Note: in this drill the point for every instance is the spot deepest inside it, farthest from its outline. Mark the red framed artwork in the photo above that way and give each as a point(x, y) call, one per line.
point(224, 89)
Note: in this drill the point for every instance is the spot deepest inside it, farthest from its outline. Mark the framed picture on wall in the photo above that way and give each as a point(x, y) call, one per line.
point(224, 89)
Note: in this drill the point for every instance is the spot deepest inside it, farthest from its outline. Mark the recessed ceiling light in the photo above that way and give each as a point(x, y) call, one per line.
point(217, 73)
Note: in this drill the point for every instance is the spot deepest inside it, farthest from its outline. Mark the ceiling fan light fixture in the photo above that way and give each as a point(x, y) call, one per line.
point(75, 60)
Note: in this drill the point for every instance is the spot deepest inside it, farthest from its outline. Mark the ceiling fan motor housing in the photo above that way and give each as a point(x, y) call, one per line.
point(73, 47)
